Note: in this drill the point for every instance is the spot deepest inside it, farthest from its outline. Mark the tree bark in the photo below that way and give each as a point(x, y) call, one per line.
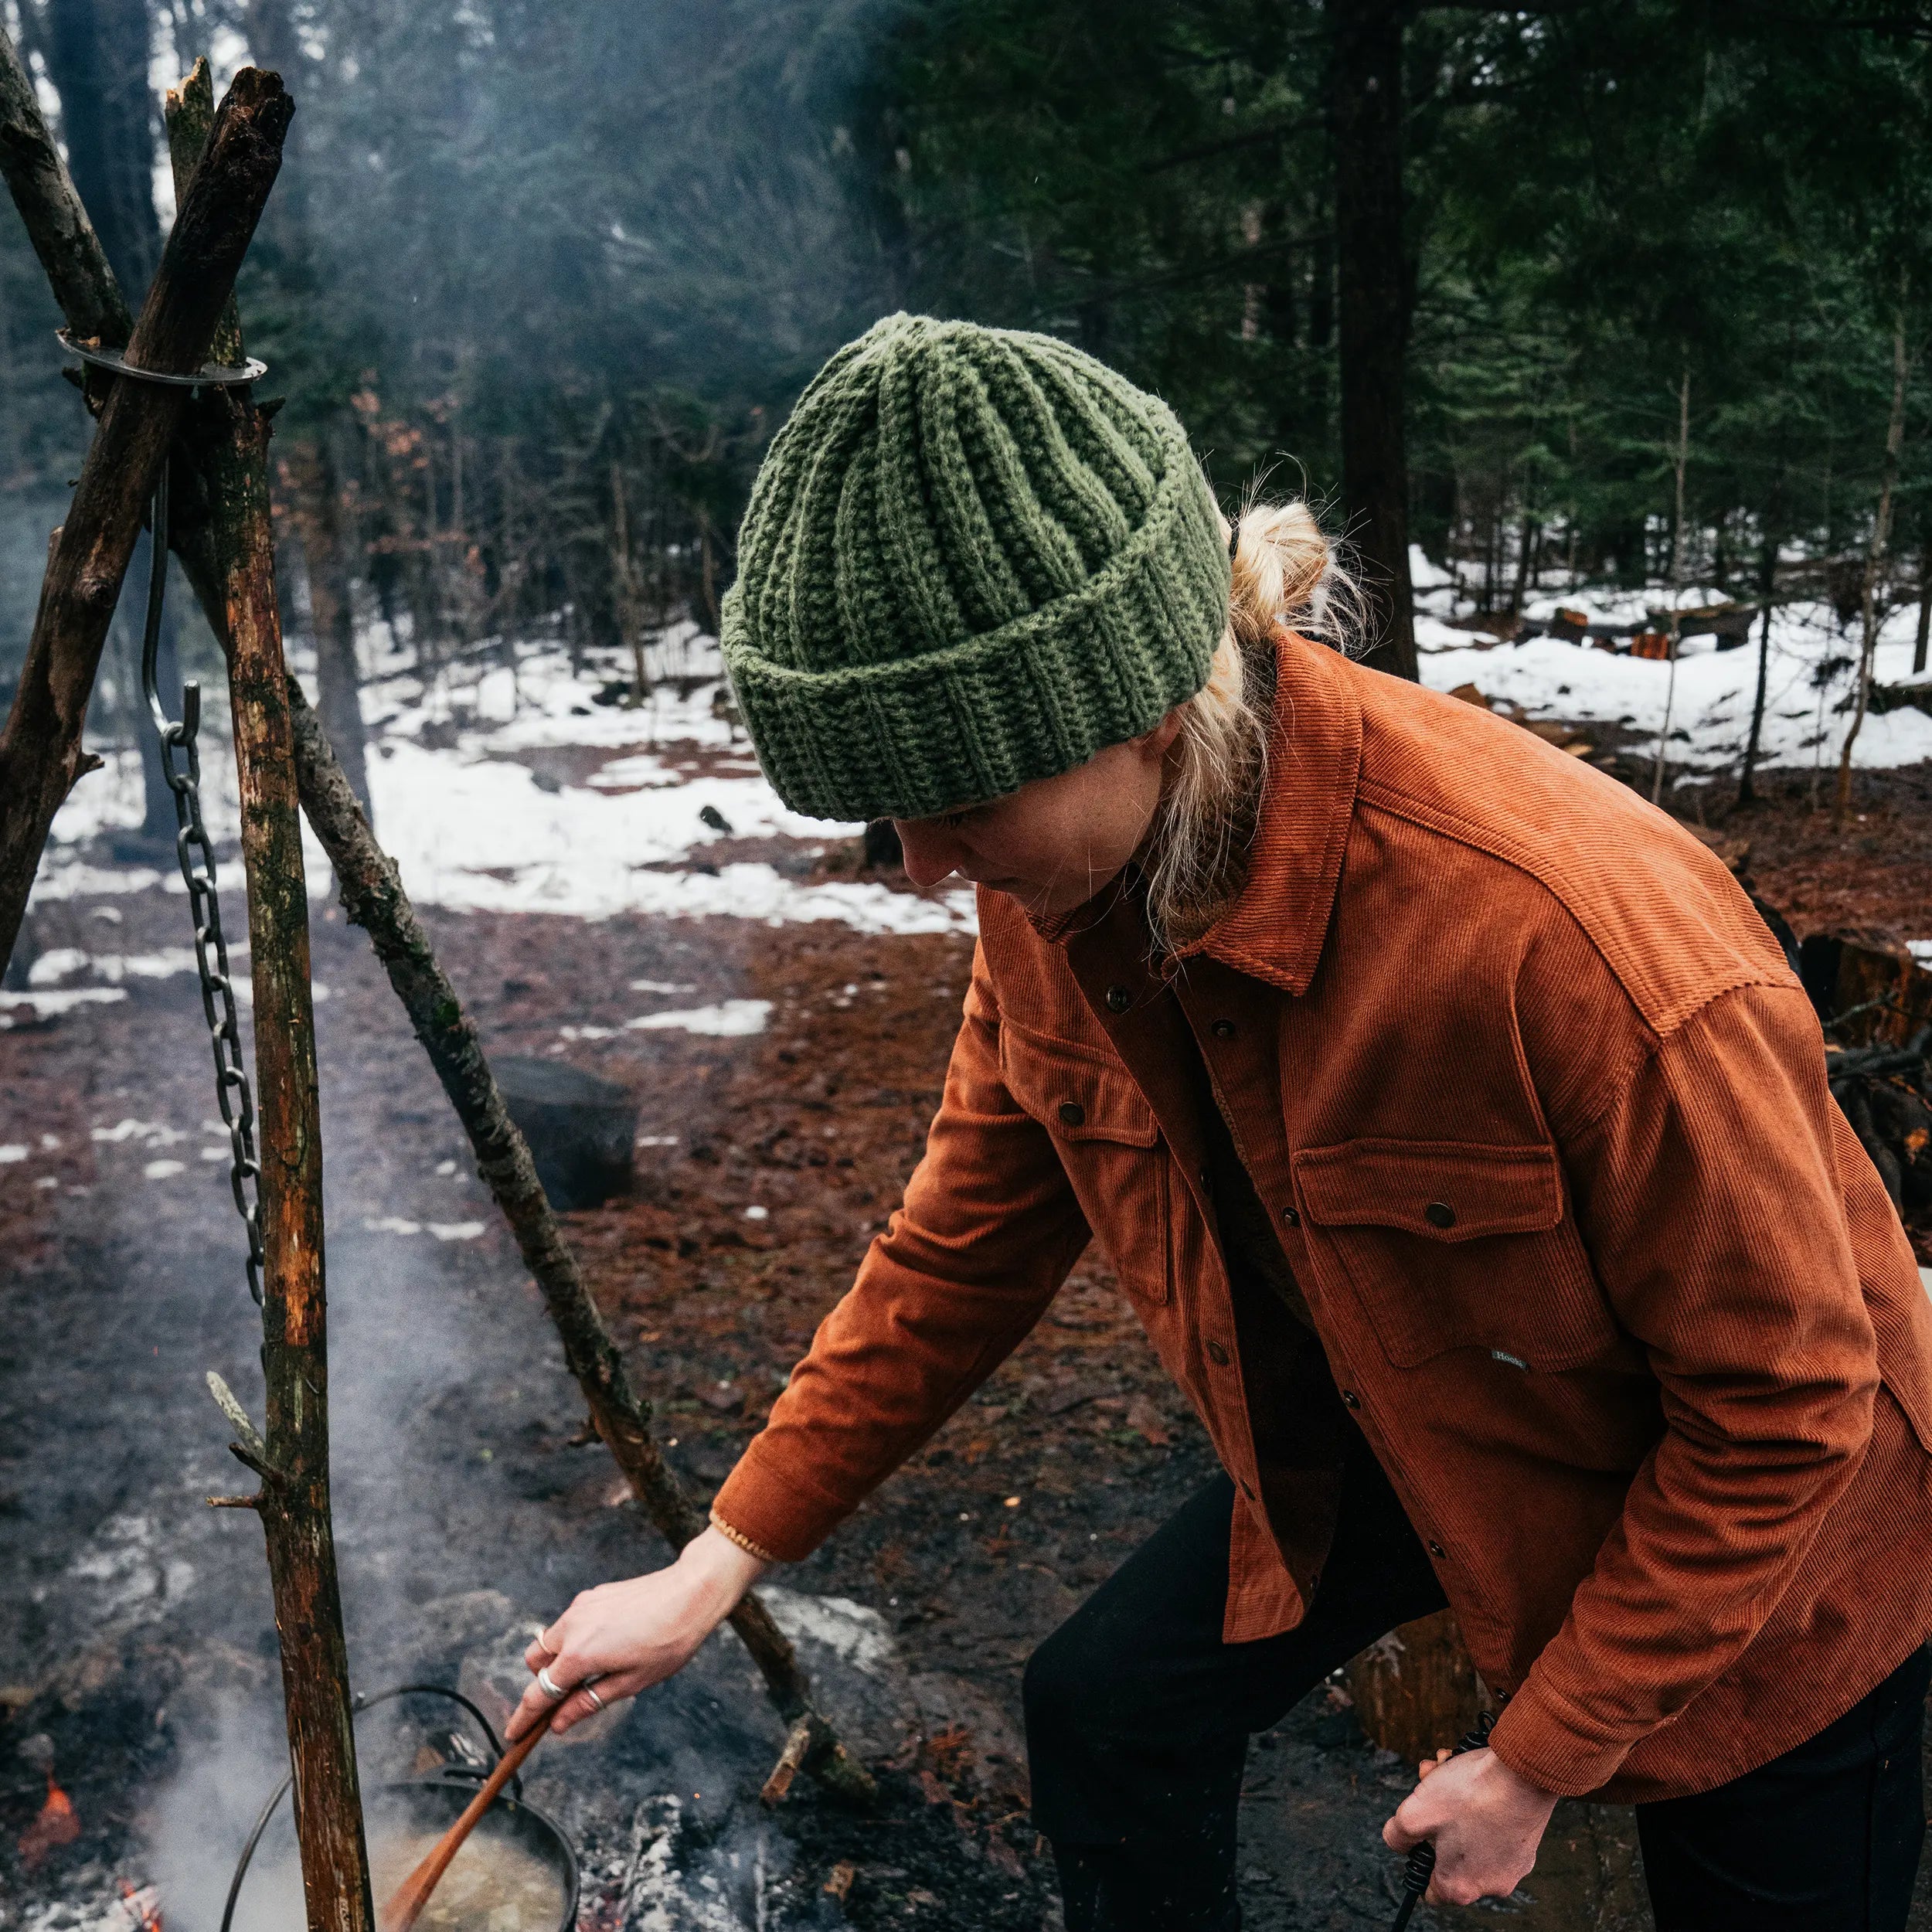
point(1365, 102)
point(41, 753)
point(316, 492)
point(1925, 608)
point(293, 1502)
point(1676, 585)
point(1767, 587)
point(1875, 557)
point(56, 220)
point(1416, 1690)
point(373, 898)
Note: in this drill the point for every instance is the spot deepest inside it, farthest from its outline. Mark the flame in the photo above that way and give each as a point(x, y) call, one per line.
point(142, 1904)
point(58, 1824)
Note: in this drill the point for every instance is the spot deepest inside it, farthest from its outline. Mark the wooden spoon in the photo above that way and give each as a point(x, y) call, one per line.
point(414, 1893)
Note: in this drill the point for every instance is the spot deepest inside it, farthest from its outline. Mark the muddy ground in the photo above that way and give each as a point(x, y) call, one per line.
point(136, 1639)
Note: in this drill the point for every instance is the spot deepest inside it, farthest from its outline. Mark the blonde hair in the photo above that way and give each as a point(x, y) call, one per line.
point(1286, 573)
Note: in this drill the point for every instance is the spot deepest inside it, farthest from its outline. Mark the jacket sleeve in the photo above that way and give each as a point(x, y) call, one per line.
point(987, 1232)
point(1708, 1196)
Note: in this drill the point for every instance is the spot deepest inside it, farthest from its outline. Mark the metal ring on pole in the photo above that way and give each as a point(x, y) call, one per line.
point(210, 376)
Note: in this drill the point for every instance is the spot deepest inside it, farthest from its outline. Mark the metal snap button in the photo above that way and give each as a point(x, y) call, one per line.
point(1217, 1355)
point(1222, 1029)
point(1440, 1214)
point(1352, 1399)
point(1072, 1113)
point(1292, 1216)
point(1118, 999)
point(1436, 1549)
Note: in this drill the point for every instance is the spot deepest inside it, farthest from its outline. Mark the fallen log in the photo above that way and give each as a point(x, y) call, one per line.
point(373, 898)
point(41, 752)
point(292, 1458)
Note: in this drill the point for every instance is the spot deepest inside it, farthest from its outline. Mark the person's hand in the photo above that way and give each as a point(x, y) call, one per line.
point(630, 1635)
point(1485, 1821)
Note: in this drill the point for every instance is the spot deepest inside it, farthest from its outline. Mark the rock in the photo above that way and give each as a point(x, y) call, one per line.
point(580, 1127)
point(455, 1625)
point(857, 1674)
point(494, 1677)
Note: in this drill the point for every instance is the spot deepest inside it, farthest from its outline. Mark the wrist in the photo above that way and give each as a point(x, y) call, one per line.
point(1524, 1792)
point(720, 1570)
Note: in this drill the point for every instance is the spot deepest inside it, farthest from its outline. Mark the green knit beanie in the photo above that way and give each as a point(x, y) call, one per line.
point(973, 558)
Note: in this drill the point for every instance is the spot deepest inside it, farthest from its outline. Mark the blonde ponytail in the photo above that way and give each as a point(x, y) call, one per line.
point(1285, 573)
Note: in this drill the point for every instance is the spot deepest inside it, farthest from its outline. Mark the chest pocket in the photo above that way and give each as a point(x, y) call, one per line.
point(1447, 1245)
point(1109, 1143)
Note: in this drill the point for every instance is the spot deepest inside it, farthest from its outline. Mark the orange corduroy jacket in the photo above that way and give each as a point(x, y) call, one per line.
point(1616, 1297)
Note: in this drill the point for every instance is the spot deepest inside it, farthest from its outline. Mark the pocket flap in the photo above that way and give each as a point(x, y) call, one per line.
point(1442, 1190)
point(1075, 1094)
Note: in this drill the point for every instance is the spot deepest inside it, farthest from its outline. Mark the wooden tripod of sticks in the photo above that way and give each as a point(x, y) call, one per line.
point(226, 162)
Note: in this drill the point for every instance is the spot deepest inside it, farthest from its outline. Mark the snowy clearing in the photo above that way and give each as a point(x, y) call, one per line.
point(469, 804)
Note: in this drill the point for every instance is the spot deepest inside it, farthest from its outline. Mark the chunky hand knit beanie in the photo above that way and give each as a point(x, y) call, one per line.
point(973, 558)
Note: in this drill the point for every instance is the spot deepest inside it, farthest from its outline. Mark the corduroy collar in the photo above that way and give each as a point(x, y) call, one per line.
point(1275, 928)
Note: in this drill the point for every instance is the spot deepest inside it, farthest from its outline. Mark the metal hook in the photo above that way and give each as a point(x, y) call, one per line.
point(157, 591)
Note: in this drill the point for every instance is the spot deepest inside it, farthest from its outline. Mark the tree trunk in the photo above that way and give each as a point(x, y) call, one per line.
point(373, 898)
point(1676, 585)
point(56, 219)
point(1416, 1691)
point(1365, 105)
point(316, 491)
point(1925, 608)
point(41, 753)
point(96, 53)
point(1875, 557)
point(97, 60)
point(230, 437)
point(1766, 590)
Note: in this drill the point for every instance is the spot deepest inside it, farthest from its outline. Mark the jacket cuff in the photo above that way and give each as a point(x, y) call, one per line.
point(743, 1542)
point(1541, 1738)
point(769, 1514)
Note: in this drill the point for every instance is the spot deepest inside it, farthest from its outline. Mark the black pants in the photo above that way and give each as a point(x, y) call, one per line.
point(1137, 1719)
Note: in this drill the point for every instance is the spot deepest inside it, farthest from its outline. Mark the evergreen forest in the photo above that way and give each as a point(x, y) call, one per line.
point(1624, 291)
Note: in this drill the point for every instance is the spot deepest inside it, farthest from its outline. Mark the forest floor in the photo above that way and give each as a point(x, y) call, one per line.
point(134, 1625)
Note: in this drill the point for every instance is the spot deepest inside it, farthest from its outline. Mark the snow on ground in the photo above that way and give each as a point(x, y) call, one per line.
point(464, 805)
point(1710, 709)
point(465, 764)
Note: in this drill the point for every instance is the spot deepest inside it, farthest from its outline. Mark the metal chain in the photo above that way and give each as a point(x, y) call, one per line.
point(196, 853)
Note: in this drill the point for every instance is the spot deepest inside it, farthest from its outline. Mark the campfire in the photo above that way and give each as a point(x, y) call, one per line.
point(57, 1824)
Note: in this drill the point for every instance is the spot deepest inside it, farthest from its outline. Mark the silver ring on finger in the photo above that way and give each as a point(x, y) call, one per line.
point(551, 1689)
point(591, 1698)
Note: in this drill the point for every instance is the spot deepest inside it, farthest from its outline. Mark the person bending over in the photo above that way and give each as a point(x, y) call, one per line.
point(1455, 1126)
